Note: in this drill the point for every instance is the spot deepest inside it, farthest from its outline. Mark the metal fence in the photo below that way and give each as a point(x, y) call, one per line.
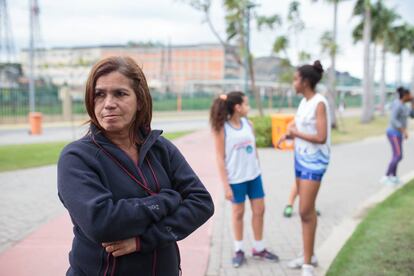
point(14, 103)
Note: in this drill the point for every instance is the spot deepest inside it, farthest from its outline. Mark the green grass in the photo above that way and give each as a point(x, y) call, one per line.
point(351, 130)
point(383, 244)
point(16, 157)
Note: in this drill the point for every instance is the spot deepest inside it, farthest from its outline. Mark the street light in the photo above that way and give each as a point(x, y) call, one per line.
point(32, 92)
point(249, 6)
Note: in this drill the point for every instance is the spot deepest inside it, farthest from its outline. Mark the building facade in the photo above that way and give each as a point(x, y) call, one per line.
point(167, 68)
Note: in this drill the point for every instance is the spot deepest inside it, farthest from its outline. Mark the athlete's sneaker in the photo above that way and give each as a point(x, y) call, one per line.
point(395, 180)
point(308, 270)
point(238, 259)
point(265, 255)
point(287, 212)
point(298, 262)
point(390, 181)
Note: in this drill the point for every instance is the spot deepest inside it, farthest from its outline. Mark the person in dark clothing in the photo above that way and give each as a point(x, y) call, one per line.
point(397, 131)
point(130, 193)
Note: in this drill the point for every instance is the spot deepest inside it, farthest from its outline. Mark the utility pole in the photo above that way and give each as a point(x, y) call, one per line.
point(32, 90)
point(247, 47)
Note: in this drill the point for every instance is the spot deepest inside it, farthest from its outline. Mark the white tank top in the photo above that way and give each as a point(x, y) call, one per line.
point(310, 156)
point(240, 153)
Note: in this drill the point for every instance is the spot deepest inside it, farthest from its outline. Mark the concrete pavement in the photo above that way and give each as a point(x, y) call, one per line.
point(352, 178)
point(29, 202)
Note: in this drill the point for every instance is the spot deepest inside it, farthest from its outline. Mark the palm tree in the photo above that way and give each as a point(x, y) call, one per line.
point(332, 72)
point(400, 41)
point(280, 45)
point(363, 8)
point(410, 35)
point(382, 19)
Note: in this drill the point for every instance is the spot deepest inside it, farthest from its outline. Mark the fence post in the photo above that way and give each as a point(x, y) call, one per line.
point(66, 103)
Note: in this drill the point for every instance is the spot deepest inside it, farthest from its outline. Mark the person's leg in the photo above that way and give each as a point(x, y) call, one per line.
point(258, 209)
point(398, 142)
point(288, 211)
point(308, 190)
point(395, 142)
point(256, 195)
point(293, 194)
point(239, 196)
point(238, 214)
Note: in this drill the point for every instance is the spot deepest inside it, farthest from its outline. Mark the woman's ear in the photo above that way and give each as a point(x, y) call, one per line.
point(237, 107)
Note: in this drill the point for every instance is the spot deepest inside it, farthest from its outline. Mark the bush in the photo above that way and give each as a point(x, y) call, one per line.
point(263, 130)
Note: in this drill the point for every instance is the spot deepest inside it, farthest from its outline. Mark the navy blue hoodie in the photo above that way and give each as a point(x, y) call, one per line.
point(103, 191)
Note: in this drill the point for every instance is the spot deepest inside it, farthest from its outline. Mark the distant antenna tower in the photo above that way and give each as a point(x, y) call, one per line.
point(7, 50)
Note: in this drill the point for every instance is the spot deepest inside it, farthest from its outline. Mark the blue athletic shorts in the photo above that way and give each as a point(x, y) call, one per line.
point(307, 175)
point(252, 188)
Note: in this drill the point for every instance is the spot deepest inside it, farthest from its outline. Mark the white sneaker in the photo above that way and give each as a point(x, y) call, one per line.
point(395, 180)
point(388, 181)
point(384, 180)
point(298, 262)
point(308, 270)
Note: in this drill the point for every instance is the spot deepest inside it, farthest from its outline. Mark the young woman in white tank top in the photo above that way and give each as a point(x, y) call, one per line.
point(239, 170)
point(311, 131)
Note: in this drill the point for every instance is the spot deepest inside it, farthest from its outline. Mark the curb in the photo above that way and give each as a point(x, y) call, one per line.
point(340, 234)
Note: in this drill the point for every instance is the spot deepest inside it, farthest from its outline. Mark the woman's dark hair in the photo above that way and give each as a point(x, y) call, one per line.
point(311, 73)
point(223, 108)
point(127, 67)
point(402, 92)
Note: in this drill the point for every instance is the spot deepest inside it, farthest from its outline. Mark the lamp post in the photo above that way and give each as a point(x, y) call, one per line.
point(32, 88)
point(247, 45)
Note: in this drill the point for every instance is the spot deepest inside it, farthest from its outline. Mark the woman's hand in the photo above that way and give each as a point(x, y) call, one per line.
point(228, 193)
point(120, 248)
point(281, 140)
point(292, 131)
point(405, 134)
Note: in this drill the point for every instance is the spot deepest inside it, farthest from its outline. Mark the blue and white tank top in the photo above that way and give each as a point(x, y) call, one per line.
point(309, 156)
point(240, 153)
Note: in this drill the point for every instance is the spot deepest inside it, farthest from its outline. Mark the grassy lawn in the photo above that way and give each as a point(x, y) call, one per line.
point(350, 129)
point(383, 244)
point(16, 157)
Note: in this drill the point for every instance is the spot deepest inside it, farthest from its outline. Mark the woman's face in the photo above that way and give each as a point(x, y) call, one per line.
point(115, 103)
point(243, 108)
point(298, 84)
point(407, 97)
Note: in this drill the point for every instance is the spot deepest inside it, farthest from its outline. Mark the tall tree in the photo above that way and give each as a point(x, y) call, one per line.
point(363, 9)
point(382, 20)
point(410, 48)
point(237, 17)
point(332, 95)
point(400, 41)
point(329, 46)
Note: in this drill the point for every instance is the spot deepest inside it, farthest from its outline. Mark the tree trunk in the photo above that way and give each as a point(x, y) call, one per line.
point(366, 93)
point(332, 74)
point(412, 77)
point(372, 78)
point(382, 84)
point(253, 87)
point(399, 69)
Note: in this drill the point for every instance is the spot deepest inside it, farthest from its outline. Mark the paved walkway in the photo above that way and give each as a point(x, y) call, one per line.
point(29, 202)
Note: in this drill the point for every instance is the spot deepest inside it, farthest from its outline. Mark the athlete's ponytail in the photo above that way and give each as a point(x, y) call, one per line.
point(223, 108)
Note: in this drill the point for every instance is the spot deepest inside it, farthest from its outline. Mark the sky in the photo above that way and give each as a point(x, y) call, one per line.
point(96, 22)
